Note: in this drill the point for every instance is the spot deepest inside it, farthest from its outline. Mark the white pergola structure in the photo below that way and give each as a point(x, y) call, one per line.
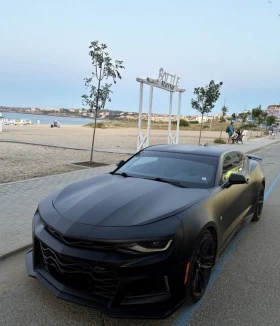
point(1, 123)
point(166, 82)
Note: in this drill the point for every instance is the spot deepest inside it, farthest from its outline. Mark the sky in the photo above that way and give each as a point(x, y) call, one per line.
point(45, 44)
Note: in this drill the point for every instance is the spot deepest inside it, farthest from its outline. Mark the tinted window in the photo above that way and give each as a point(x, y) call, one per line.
point(197, 171)
point(233, 163)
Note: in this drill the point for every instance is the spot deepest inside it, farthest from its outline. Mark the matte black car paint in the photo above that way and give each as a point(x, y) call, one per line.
point(84, 223)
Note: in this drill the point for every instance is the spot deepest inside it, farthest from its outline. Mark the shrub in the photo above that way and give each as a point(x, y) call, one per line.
point(219, 141)
point(100, 125)
point(193, 122)
point(184, 123)
point(248, 125)
point(205, 127)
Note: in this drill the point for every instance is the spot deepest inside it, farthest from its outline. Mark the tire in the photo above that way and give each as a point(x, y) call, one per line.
point(258, 205)
point(201, 264)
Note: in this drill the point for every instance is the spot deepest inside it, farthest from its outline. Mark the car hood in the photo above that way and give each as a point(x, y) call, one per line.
point(111, 200)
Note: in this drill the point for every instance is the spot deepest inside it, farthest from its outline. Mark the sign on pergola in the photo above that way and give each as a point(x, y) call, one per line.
point(166, 82)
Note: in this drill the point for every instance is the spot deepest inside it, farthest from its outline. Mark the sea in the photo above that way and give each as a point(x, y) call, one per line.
point(47, 119)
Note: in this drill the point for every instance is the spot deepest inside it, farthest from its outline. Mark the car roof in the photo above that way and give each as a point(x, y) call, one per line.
point(191, 149)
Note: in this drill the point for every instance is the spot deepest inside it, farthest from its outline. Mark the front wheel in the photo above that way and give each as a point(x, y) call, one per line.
point(201, 263)
point(258, 205)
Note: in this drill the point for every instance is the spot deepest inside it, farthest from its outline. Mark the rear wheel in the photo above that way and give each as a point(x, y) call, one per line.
point(202, 261)
point(258, 205)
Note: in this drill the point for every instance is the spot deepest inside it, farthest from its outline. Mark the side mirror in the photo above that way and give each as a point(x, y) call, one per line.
point(120, 163)
point(236, 179)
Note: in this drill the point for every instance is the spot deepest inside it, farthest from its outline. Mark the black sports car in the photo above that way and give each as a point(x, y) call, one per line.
point(142, 239)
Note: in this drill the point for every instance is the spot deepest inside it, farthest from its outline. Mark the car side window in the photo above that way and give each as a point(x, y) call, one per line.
point(233, 163)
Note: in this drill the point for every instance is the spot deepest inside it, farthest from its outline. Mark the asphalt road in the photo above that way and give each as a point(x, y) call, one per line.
point(244, 287)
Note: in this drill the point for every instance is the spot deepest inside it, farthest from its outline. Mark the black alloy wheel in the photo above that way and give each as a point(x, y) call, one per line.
point(202, 261)
point(258, 205)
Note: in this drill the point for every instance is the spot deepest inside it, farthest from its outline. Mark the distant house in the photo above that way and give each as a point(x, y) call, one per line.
point(274, 107)
point(199, 118)
point(274, 110)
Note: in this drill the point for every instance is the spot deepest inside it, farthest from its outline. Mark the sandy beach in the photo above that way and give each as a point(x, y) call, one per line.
point(38, 150)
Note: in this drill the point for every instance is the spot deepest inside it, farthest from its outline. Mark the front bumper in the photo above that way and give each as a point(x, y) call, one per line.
point(120, 285)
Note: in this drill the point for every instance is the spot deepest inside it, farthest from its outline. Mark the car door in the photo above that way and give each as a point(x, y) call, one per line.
point(237, 205)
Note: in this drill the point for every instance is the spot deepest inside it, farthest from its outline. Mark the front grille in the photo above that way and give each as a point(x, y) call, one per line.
point(78, 273)
point(87, 244)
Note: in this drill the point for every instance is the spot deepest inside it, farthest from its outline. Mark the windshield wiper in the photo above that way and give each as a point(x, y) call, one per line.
point(172, 182)
point(124, 174)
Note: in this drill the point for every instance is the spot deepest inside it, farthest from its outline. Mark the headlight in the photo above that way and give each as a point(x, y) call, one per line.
point(145, 247)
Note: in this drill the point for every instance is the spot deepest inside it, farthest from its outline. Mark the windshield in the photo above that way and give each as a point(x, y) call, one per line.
point(193, 171)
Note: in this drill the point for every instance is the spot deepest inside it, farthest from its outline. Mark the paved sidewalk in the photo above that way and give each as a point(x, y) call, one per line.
point(19, 200)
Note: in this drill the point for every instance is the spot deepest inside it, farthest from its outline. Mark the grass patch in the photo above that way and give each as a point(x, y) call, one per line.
point(219, 141)
point(92, 165)
point(214, 125)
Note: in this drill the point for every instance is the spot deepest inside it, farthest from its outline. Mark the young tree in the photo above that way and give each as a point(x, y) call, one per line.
point(206, 98)
point(244, 116)
point(264, 116)
point(104, 71)
point(233, 116)
point(258, 115)
point(223, 119)
point(224, 113)
point(270, 120)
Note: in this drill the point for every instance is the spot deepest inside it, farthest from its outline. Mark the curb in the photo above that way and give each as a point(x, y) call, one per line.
point(259, 148)
point(15, 251)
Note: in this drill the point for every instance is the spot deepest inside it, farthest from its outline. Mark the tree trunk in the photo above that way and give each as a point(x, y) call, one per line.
point(211, 121)
point(95, 121)
point(93, 136)
point(200, 130)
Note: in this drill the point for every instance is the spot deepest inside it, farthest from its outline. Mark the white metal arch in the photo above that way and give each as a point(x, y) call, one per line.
point(166, 82)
